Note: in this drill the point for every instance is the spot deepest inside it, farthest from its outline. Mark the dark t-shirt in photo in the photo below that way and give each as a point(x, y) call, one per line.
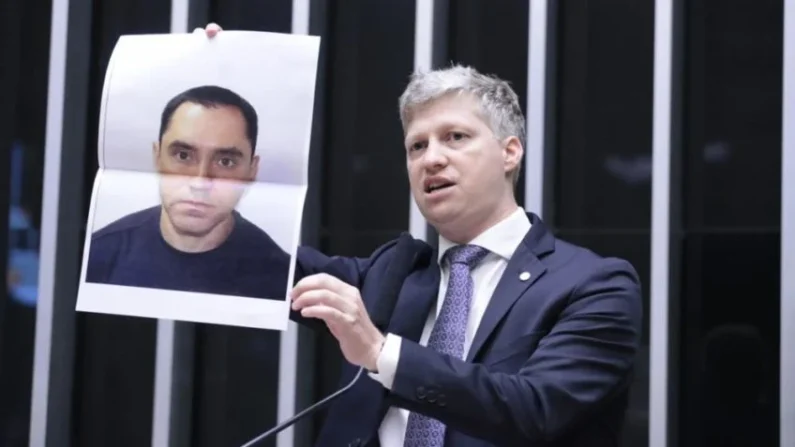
point(132, 252)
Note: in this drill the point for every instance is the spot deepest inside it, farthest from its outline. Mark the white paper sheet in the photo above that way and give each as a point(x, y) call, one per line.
point(156, 199)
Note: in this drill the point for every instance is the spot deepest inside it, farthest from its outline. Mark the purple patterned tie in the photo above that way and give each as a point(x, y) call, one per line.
point(448, 334)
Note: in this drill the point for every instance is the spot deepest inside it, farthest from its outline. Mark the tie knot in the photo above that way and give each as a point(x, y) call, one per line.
point(466, 254)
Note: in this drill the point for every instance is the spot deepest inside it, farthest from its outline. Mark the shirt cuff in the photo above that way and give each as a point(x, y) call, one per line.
point(387, 361)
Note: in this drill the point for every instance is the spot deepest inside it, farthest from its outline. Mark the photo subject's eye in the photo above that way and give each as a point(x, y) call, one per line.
point(227, 162)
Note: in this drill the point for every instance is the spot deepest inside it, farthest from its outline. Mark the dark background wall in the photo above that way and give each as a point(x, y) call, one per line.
point(725, 209)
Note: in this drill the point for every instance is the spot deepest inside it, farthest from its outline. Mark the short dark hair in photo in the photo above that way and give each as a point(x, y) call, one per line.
point(213, 96)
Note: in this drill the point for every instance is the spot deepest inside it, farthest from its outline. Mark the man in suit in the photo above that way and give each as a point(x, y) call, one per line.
point(195, 239)
point(503, 336)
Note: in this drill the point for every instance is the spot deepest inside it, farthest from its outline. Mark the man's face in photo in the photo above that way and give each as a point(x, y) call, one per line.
point(206, 161)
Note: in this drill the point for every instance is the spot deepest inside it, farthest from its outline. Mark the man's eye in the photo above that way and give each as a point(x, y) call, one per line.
point(182, 155)
point(227, 162)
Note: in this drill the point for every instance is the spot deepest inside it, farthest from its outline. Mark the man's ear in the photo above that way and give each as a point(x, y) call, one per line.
point(254, 170)
point(512, 154)
point(156, 154)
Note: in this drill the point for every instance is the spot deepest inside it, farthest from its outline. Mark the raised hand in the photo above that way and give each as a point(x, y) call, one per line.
point(340, 306)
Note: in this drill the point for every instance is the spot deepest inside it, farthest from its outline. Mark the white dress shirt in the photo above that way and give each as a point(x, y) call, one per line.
point(501, 240)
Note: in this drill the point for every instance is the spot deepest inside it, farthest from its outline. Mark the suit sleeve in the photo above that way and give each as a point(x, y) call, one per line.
point(351, 270)
point(584, 360)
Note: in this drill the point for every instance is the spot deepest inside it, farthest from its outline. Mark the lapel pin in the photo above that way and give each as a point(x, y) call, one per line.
point(524, 276)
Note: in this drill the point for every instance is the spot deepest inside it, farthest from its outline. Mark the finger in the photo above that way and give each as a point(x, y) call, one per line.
point(212, 29)
point(320, 281)
point(323, 297)
point(333, 317)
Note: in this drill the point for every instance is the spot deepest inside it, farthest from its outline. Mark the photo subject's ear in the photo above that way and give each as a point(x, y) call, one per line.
point(254, 170)
point(155, 154)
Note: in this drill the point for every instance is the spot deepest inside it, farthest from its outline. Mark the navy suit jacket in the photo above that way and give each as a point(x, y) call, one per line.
point(550, 364)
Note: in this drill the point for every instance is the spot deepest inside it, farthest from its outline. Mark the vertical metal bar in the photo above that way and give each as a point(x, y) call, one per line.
point(537, 69)
point(660, 222)
point(300, 17)
point(49, 223)
point(423, 60)
point(163, 430)
point(164, 367)
point(307, 349)
point(288, 348)
point(180, 12)
point(61, 227)
point(787, 374)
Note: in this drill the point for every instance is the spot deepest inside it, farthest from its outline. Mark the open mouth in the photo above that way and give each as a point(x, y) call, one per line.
point(437, 186)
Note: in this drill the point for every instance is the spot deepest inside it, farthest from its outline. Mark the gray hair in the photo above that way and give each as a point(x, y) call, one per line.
point(499, 104)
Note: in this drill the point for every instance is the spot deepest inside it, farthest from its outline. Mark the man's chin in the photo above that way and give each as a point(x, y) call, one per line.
point(192, 226)
point(439, 214)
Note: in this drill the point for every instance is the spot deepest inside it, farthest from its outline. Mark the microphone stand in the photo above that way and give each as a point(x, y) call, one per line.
point(307, 411)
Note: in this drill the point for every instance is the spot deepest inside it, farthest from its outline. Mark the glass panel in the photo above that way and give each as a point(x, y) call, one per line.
point(730, 306)
point(236, 385)
point(23, 82)
point(236, 380)
point(733, 116)
point(730, 340)
point(252, 15)
point(476, 29)
point(602, 174)
point(365, 187)
point(115, 355)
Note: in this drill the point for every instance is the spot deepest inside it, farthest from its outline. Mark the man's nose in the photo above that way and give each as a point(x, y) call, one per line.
point(434, 155)
point(201, 179)
point(200, 183)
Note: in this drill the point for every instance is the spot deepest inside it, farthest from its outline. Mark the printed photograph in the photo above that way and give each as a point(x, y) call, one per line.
point(199, 218)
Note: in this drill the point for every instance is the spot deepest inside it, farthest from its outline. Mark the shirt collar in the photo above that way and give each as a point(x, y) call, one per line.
point(501, 239)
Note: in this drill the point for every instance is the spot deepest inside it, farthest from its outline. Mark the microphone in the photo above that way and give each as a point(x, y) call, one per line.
point(400, 266)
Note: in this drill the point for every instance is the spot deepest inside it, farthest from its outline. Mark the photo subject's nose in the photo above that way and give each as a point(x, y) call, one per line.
point(200, 183)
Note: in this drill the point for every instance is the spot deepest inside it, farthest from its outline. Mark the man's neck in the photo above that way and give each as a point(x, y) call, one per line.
point(467, 233)
point(190, 243)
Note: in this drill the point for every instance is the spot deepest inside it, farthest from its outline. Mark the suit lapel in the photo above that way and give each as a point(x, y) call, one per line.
point(523, 269)
point(416, 298)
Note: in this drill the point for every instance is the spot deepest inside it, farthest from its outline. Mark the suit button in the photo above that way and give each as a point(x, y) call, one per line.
point(421, 393)
point(431, 396)
point(355, 443)
point(441, 400)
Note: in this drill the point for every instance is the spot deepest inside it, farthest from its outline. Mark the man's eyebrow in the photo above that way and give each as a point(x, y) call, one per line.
point(229, 151)
point(177, 144)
